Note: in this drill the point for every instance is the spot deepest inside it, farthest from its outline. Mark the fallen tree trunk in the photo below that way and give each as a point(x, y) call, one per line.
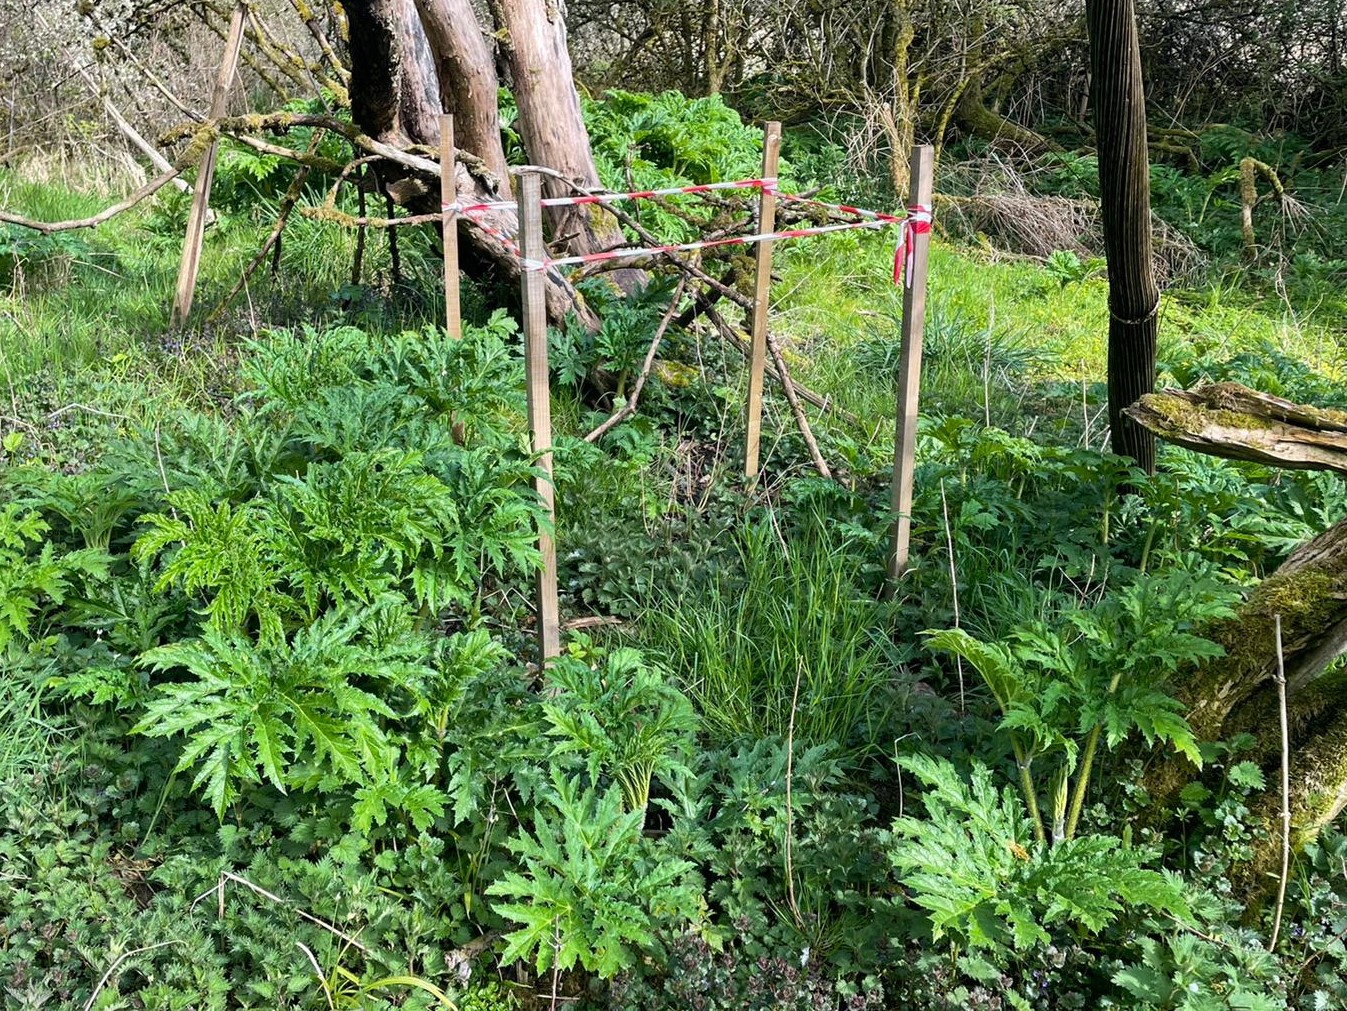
point(1236, 693)
point(1237, 423)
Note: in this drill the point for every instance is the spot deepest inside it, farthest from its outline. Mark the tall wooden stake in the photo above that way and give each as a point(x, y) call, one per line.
point(453, 325)
point(757, 362)
point(909, 368)
point(196, 218)
point(539, 409)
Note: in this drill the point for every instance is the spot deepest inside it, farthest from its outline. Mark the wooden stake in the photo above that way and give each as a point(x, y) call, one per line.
point(757, 362)
point(453, 325)
point(196, 219)
point(539, 409)
point(909, 369)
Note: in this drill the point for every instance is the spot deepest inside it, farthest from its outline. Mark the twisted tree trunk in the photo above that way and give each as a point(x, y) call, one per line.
point(1124, 188)
point(394, 61)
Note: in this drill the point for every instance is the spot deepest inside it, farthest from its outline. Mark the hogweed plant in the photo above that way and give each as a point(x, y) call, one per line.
point(1100, 675)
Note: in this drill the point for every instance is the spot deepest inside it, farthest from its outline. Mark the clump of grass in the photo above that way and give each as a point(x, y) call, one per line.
point(28, 733)
point(739, 643)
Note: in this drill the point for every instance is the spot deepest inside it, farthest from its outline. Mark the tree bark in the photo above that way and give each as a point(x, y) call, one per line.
point(382, 43)
point(376, 69)
point(550, 122)
point(1235, 693)
point(467, 76)
point(972, 114)
point(1232, 421)
point(1124, 187)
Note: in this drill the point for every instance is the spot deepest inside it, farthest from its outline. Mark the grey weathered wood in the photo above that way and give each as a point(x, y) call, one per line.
point(909, 369)
point(757, 360)
point(539, 409)
point(532, 39)
point(1235, 422)
point(196, 218)
point(453, 325)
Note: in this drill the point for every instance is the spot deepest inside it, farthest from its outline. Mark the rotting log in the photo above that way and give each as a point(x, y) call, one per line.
point(1237, 423)
point(1235, 693)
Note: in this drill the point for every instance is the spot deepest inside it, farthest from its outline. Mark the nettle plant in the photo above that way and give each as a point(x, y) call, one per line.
point(362, 497)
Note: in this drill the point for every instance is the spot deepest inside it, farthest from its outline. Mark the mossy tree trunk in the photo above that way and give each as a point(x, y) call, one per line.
point(1236, 693)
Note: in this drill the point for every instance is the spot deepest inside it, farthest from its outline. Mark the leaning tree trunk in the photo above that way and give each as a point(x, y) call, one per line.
point(392, 63)
point(468, 85)
point(1124, 189)
point(550, 122)
point(1236, 693)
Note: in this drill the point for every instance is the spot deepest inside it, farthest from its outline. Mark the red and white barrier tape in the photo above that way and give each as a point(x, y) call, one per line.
point(610, 198)
point(681, 247)
point(917, 222)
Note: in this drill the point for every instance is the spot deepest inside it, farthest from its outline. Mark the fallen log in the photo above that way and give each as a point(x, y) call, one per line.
point(1307, 595)
point(1232, 421)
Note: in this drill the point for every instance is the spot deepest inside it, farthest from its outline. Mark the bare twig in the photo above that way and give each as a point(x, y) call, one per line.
point(120, 959)
point(282, 216)
point(629, 408)
point(259, 890)
point(1286, 789)
point(802, 422)
point(318, 971)
point(50, 227)
point(85, 408)
point(953, 585)
point(741, 345)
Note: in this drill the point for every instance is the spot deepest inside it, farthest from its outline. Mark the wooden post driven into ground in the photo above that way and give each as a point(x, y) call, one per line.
point(909, 367)
point(757, 362)
point(196, 218)
point(539, 407)
point(453, 325)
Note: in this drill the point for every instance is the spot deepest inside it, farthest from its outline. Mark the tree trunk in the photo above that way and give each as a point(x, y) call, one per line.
point(550, 123)
point(1235, 693)
point(383, 89)
point(376, 69)
point(468, 85)
point(419, 96)
point(974, 116)
point(1124, 187)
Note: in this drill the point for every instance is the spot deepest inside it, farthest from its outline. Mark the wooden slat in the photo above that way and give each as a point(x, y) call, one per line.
point(539, 410)
point(757, 361)
point(909, 370)
point(453, 324)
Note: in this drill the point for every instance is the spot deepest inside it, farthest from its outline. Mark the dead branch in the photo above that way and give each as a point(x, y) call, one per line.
point(740, 344)
point(324, 46)
point(801, 422)
point(629, 408)
point(283, 215)
point(50, 227)
point(1237, 423)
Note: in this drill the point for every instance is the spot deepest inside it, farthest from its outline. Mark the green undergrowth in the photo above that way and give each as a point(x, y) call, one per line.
point(273, 733)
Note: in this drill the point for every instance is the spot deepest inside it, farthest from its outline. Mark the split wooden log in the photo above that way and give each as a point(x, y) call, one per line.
point(1237, 423)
